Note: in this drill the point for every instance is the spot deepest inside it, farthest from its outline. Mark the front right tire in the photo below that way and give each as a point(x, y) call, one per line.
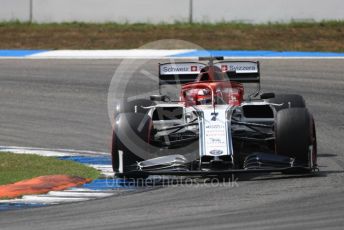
point(295, 136)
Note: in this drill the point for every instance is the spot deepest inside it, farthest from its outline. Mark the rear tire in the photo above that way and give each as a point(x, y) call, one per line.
point(287, 101)
point(295, 133)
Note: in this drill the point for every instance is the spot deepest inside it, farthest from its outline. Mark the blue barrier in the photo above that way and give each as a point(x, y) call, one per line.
point(19, 53)
point(257, 53)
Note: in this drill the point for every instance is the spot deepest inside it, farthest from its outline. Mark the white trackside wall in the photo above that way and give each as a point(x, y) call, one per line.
point(167, 11)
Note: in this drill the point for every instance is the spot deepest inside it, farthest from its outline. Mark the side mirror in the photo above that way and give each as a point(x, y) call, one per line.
point(159, 98)
point(267, 95)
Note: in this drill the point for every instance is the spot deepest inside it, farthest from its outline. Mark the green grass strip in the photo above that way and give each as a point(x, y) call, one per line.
point(17, 167)
point(295, 36)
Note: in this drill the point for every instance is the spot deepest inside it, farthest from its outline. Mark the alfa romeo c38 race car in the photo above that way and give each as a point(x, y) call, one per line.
point(213, 128)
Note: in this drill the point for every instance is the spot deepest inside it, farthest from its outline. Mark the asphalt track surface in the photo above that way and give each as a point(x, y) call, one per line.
point(63, 104)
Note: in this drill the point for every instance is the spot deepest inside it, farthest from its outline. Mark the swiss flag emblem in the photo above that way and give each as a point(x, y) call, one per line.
point(224, 68)
point(193, 68)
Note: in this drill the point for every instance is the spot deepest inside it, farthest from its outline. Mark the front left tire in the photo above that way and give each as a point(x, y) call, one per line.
point(131, 135)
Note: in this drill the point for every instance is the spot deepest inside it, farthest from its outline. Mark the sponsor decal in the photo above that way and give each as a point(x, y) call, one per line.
point(216, 140)
point(215, 126)
point(175, 69)
point(216, 152)
point(180, 68)
point(239, 67)
point(242, 68)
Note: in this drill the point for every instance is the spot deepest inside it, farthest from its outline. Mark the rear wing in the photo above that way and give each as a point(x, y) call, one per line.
point(185, 72)
point(172, 75)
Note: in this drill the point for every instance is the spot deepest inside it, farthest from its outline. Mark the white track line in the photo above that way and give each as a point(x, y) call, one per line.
point(106, 54)
point(50, 152)
point(108, 174)
point(51, 199)
point(102, 168)
point(32, 199)
point(86, 190)
point(89, 194)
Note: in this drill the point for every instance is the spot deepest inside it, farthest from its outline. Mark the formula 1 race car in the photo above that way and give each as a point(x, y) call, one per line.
point(212, 128)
